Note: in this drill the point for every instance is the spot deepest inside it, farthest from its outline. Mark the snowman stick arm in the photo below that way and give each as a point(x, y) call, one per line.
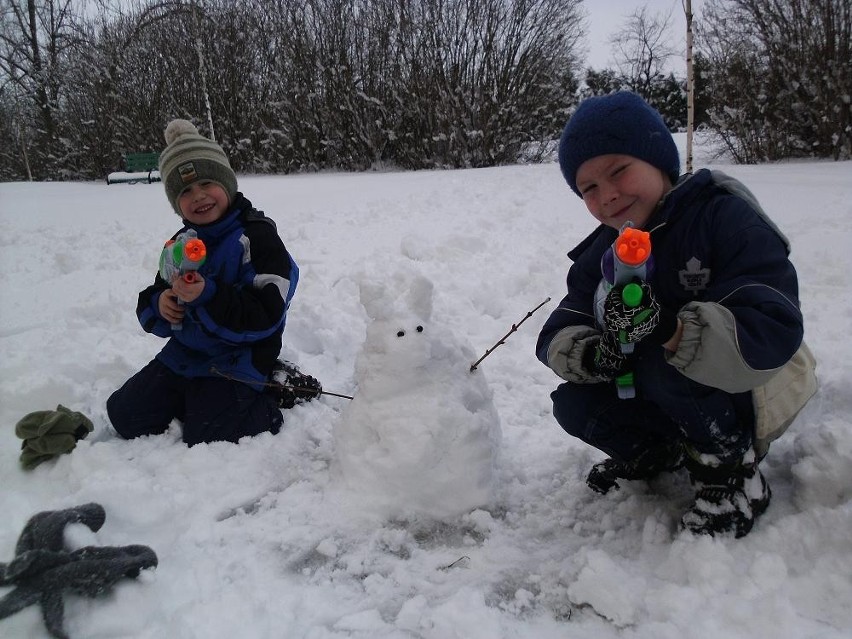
point(503, 339)
point(216, 371)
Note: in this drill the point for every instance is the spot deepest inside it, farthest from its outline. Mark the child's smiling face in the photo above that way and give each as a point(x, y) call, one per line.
point(619, 188)
point(203, 202)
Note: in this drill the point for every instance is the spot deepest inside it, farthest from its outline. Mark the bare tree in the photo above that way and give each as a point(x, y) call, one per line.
point(780, 77)
point(643, 47)
point(690, 85)
point(307, 84)
point(14, 131)
point(35, 40)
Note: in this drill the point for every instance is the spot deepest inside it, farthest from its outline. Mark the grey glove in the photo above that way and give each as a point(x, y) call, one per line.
point(43, 569)
point(565, 354)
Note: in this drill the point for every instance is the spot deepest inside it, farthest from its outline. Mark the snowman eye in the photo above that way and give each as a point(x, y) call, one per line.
point(419, 329)
point(400, 333)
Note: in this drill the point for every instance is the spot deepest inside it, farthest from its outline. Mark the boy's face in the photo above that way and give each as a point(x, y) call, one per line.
point(203, 202)
point(620, 188)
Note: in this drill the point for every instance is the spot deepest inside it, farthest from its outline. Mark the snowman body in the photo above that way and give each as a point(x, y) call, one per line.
point(422, 435)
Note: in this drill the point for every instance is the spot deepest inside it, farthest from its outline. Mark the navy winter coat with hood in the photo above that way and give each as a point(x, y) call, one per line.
point(724, 267)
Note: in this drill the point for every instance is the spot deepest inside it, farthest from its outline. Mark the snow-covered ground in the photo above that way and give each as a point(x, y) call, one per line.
point(275, 538)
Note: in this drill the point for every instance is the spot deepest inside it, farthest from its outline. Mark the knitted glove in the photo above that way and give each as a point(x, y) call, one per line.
point(47, 433)
point(43, 569)
point(45, 529)
point(632, 313)
point(604, 357)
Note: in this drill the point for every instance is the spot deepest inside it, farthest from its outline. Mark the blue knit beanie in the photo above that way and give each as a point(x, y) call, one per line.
point(621, 123)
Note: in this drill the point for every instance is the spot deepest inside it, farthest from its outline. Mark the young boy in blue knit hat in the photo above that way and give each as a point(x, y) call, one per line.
point(718, 364)
point(223, 325)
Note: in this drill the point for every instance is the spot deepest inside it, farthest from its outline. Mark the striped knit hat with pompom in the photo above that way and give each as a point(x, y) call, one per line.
point(190, 157)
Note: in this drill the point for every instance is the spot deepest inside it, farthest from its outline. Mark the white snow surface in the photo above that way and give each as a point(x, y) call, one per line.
point(474, 522)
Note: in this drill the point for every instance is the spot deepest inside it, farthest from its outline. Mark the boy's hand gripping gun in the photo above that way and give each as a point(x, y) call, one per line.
point(629, 258)
point(182, 257)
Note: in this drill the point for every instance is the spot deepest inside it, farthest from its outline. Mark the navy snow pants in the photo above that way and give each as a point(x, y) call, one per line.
point(668, 407)
point(210, 408)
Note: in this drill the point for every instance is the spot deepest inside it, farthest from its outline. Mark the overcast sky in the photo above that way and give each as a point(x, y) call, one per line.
point(605, 17)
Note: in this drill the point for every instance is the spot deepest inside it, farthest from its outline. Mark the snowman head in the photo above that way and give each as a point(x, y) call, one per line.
point(404, 295)
point(399, 334)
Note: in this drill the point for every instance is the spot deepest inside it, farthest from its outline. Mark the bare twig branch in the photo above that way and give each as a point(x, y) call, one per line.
point(503, 339)
point(216, 371)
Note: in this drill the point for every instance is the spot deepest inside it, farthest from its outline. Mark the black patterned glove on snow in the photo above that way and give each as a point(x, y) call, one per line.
point(632, 313)
point(604, 357)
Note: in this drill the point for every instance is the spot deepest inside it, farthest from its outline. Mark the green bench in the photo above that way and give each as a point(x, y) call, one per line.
point(138, 167)
point(135, 162)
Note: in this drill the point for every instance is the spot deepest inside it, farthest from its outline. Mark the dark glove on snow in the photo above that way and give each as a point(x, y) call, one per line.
point(632, 314)
point(43, 569)
point(604, 357)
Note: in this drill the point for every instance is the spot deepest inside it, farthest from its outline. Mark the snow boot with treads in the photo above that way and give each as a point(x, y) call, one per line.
point(292, 386)
point(666, 458)
point(728, 497)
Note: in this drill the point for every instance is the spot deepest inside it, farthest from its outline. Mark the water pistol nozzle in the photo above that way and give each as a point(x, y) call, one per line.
point(633, 247)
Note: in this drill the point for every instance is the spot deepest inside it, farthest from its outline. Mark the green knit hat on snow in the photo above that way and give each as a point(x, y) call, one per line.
point(48, 433)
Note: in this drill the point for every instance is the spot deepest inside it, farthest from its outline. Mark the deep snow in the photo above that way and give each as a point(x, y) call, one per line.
point(273, 538)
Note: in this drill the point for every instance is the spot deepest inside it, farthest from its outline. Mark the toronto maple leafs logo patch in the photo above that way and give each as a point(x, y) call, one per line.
point(693, 277)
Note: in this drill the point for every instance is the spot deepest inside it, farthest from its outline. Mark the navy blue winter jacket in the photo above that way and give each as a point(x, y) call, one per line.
point(721, 264)
point(234, 327)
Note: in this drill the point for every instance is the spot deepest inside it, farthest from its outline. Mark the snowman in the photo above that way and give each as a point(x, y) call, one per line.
point(421, 436)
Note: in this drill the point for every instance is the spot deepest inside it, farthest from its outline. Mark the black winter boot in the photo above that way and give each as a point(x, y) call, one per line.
point(292, 385)
point(667, 458)
point(728, 497)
